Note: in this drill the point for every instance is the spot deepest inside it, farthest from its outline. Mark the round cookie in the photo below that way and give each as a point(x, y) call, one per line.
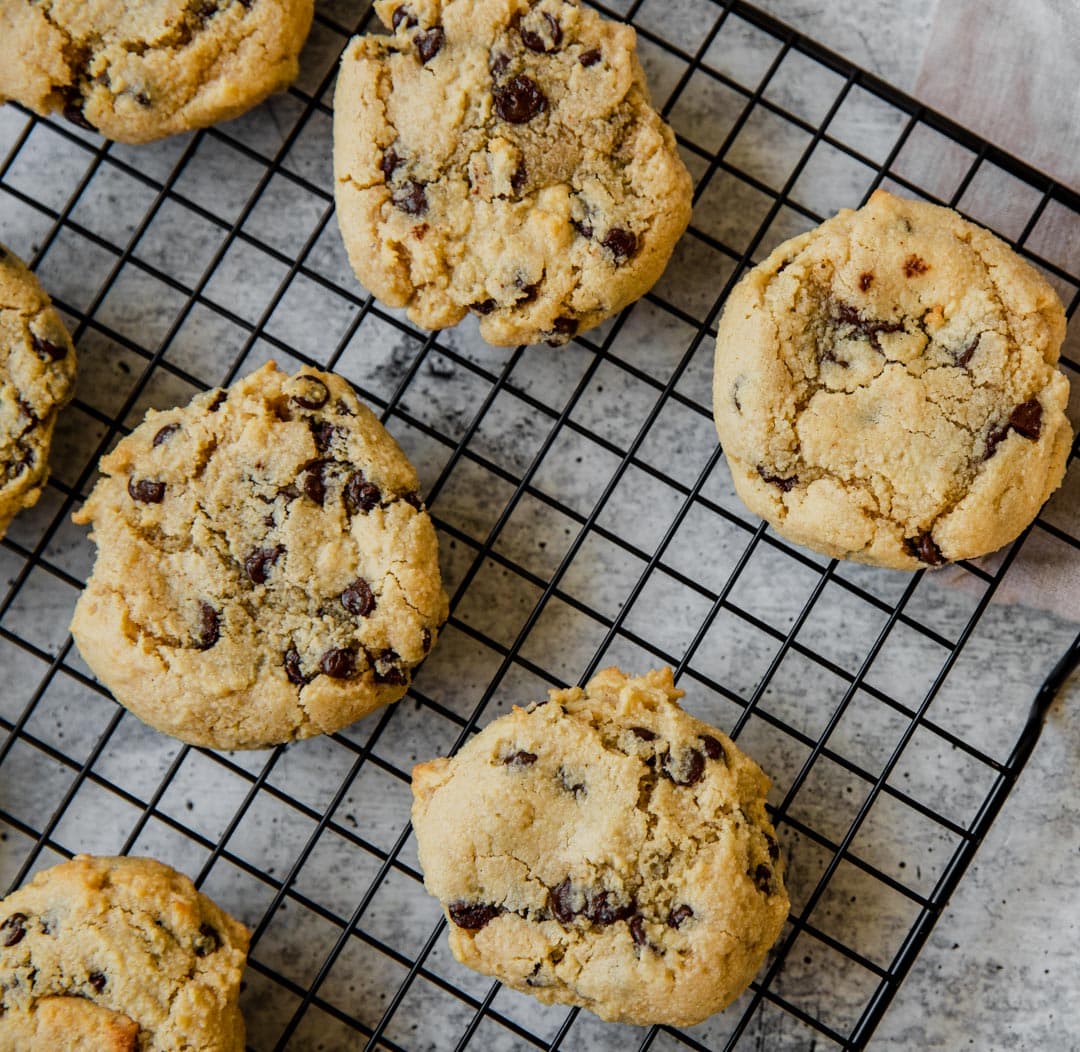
point(121, 954)
point(266, 569)
point(37, 378)
point(502, 157)
point(885, 387)
point(605, 849)
point(137, 72)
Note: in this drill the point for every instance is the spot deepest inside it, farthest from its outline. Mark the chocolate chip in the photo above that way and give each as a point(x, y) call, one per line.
point(316, 394)
point(845, 314)
point(472, 916)
point(358, 598)
point(535, 42)
point(643, 733)
point(678, 915)
point(146, 491)
point(519, 100)
point(563, 329)
point(209, 626)
point(165, 433)
point(866, 280)
point(562, 902)
point(484, 306)
point(429, 44)
point(208, 940)
point(97, 981)
point(143, 99)
point(313, 484)
point(292, 668)
point(521, 758)
point(528, 292)
point(338, 663)
point(361, 495)
point(499, 64)
point(403, 14)
point(583, 228)
point(1026, 419)
point(590, 57)
point(413, 500)
point(411, 198)
point(924, 549)
point(322, 433)
point(425, 639)
point(520, 177)
point(217, 402)
point(774, 847)
point(913, 265)
point(387, 669)
point(691, 768)
point(13, 929)
point(577, 788)
point(258, 563)
point(763, 878)
point(968, 351)
point(390, 162)
point(637, 930)
point(714, 748)
point(46, 349)
point(622, 244)
point(73, 112)
point(775, 480)
point(601, 911)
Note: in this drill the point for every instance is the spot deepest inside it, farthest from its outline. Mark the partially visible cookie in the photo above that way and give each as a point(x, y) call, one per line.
point(886, 387)
point(266, 568)
point(503, 158)
point(605, 849)
point(118, 955)
point(140, 71)
point(37, 378)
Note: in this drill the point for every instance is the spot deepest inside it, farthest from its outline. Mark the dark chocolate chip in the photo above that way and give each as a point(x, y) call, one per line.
point(387, 669)
point(97, 981)
point(403, 14)
point(472, 916)
point(968, 351)
point(590, 57)
point(209, 626)
point(258, 563)
point(556, 29)
point(535, 41)
point(358, 598)
point(165, 433)
point(519, 100)
point(643, 733)
point(208, 940)
point(763, 879)
point(601, 911)
point(865, 281)
point(484, 306)
point(521, 758)
point(577, 788)
point(146, 491)
point(73, 112)
point(13, 929)
point(583, 228)
point(292, 668)
point(691, 768)
point(429, 44)
point(1026, 420)
point(338, 663)
point(847, 315)
point(411, 198)
point(528, 292)
point(774, 847)
point(637, 930)
point(714, 748)
point(217, 402)
point(775, 480)
point(390, 162)
point(425, 639)
point(678, 915)
point(562, 902)
point(622, 244)
point(913, 265)
point(413, 500)
point(499, 64)
point(313, 484)
point(143, 99)
point(520, 177)
point(563, 329)
point(46, 349)
point(315, 396)
point(924, 549)
point(322, 433)
point(361, 495)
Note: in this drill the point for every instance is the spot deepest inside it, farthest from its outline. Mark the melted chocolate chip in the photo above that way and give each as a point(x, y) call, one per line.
point(413, 500)
point(520, 177)
point(848, 315)
point(1026, 420)
point(678, 915)
point(637, 930)
point(519, 100)
point(775, 480)
point(763, 879)
point(528, 292)
point(913, 265)
point(484, 306)
point(387, 669)
point(361, 495)
point(46, 349)
point(217, 402)
point(583, 228)
point(691, 768)
point(257, 564)
point(411, 198)
point(292, 668)
point(403, 14)
point(499, 64)
point(968, 351)
point(535, 42)
point(521, 758)
point(714, 748)
point(322, 433)
point(425, 639)
point(316, 394)
point(577, 788)
point(643, 733)
point(313, 484)
point(209, 626)
point(208, 941)
point(429, 44)
point(358, 598)
point(472, 916)
point(563, 329)
point(622, 244)
point(13, 929)
point(146, 491)
point(390, 162)
point(865, 281)
point(97, 981)
point(774, 847)
point(73, 112)
point(338, 663)
point(924, 549)
point(603, 912)
point(590, 57)
point(165, 433)
point(562, 902)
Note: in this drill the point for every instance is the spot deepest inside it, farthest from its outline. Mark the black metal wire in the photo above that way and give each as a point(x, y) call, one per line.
point(309, 1009)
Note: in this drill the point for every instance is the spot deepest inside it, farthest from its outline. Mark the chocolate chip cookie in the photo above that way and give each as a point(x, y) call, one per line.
point(37, 378)
point(886, 387)
point(605, 849)
point(503, 158)
point(140, 71)
point(118, 954)
point(266, 567)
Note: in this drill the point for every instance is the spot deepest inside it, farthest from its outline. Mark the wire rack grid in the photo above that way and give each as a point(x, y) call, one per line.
point(586, 517)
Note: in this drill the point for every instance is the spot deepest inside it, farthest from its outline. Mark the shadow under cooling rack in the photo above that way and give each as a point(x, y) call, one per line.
point(586, 517)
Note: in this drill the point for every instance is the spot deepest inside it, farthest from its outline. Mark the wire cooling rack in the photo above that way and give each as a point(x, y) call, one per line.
point(586, 517)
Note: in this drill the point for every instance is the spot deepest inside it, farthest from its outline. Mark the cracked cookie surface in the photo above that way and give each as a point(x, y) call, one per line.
point(502, 157)
point(37, 378)
point(140, 71)
point(266, 569)
point(605, 849)
point(886, 389)
point(118, 955)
